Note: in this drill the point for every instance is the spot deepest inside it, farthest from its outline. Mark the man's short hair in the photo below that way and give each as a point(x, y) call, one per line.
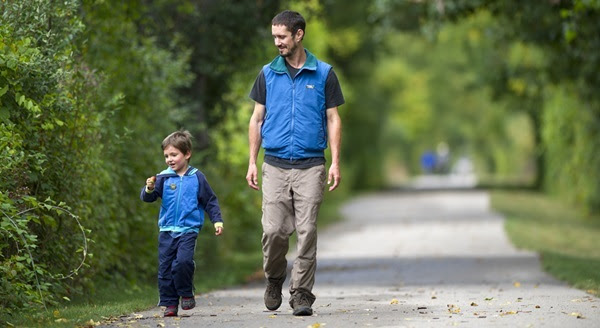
point(290, 19)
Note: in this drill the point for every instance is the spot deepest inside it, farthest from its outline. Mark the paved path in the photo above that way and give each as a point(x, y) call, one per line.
point(428, 259)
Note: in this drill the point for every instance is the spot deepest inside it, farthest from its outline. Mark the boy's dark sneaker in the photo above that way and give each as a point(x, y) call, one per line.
point(188, 303)
point(273, 295)
point(171, 311)
point(301, 305)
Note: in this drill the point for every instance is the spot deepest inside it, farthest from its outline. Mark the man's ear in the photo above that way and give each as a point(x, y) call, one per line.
point(299, 35)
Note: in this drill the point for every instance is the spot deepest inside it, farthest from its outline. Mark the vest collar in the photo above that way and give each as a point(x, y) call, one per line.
point(278, 64)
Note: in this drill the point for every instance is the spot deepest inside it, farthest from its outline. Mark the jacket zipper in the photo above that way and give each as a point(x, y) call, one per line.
point(178, 200)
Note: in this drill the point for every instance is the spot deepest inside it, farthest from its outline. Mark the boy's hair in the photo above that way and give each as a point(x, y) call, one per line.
point(181, 140)
point(290, 19)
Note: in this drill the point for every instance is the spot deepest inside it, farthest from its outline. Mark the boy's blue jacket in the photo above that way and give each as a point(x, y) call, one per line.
point(184, 200)
point(295, 124)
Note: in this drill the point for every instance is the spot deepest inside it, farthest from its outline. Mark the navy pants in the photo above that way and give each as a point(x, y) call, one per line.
point(175, 267)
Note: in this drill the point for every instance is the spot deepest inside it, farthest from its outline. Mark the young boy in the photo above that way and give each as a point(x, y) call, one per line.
point(185, 196)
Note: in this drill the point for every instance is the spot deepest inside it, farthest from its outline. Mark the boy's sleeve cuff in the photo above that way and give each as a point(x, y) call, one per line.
point(218, 225)
point(149, 191)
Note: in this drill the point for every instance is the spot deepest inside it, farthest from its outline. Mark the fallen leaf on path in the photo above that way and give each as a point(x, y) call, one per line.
point(273, 316)
point(316, 325)
point(489, 298)
point(577, 315)
point(509, 312)
point(474, 304)
point(394, 301)
point(91, 322)
point(517, 284)
point(453, 308)
point(160, 324)
point(537, 306)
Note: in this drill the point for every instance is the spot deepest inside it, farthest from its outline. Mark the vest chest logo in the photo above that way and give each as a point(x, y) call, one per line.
point(173, 186)
point(310, 86)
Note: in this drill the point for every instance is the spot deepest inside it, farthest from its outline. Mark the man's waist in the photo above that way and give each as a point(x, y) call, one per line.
point(294, 163)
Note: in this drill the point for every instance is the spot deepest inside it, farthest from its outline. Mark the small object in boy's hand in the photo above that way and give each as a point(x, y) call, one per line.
point(150, 182)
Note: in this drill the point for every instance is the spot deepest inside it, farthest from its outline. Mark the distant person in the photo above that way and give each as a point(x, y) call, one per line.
point(295, 115)
point(428, 162)
point(185, 196)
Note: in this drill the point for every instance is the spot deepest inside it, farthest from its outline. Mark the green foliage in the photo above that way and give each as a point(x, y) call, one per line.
point(490, 72)
point(43, 110)
point(571, 142)
point(72, 135)
point(28, 280)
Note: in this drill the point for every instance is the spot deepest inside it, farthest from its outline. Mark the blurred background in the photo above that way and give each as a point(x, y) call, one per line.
point(479, 93)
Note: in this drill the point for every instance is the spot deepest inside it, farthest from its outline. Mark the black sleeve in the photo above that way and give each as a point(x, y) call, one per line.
point(333, 91)
point(259, 89)
point(208, 199)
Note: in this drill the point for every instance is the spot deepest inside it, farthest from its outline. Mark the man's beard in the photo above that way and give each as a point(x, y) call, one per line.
point(291, 51)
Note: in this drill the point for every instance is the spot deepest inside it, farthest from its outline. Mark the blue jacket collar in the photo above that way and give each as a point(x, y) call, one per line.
point(169, 171)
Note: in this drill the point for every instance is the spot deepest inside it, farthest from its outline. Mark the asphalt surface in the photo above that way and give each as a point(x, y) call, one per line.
point(425, 259)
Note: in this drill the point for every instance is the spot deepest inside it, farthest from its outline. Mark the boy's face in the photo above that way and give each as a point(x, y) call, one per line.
point(176, 160)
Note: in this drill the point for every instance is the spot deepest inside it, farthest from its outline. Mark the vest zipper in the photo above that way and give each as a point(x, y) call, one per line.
point(293, 115)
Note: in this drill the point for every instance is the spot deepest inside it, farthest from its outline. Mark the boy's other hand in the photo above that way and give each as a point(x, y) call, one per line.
point(218, 231)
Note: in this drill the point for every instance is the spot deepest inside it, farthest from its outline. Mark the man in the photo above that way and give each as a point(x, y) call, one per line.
point(295, 115)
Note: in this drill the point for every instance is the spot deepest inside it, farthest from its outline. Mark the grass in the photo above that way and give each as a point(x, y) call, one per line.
point(567, 241)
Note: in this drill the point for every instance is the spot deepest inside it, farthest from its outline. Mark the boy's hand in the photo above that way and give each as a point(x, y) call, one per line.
point(150, 182)
point(218, 231)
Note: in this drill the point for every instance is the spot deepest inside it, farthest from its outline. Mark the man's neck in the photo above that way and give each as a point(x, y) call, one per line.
point(297, 59)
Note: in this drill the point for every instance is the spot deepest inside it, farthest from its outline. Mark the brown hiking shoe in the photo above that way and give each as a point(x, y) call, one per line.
point(301, 305)
point(273, 295)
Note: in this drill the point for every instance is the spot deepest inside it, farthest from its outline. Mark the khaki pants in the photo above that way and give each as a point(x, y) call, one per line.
point(291, 201)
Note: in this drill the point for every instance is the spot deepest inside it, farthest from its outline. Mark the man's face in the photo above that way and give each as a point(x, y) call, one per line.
point(284, 41)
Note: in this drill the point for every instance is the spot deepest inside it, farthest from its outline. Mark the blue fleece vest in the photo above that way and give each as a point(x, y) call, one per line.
point(295, 124)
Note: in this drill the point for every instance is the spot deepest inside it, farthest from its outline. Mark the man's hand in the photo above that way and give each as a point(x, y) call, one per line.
point(252, 176)
point(334, 174)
